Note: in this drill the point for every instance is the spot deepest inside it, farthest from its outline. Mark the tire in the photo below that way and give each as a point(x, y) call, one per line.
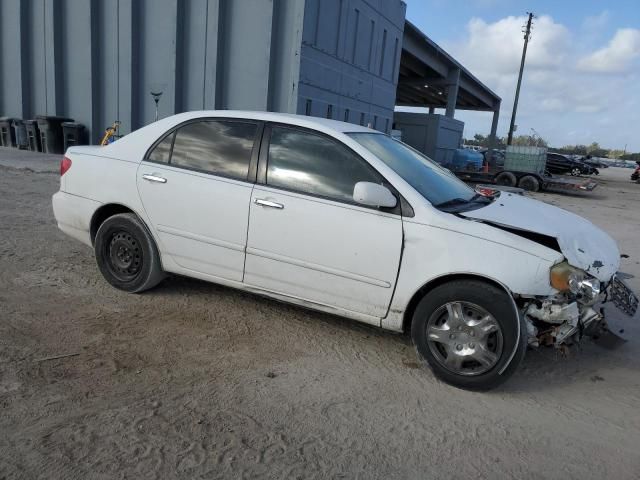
point(575, 171)
point(127, 255)
point(529, 183)
point(506, 342)
point(506, 179)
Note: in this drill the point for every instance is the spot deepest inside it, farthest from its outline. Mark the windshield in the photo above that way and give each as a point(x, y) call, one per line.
point(438, 185)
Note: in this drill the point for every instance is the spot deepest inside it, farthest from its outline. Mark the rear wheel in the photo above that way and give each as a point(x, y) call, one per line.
point(575, 171)
point(506, 179)
point(469, 334)
point(529, 183)
point(127, 255)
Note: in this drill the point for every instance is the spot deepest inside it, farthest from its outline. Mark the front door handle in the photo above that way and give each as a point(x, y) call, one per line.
point(154, 178)
point(267, 203)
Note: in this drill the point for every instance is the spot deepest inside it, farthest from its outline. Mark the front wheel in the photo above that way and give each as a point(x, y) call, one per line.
point(575, 172)
point(127, 255)
point(469, 334)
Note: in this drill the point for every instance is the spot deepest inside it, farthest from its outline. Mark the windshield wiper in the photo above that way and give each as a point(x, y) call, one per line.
point(477, 198)
point(482, 198)
point(452, 202)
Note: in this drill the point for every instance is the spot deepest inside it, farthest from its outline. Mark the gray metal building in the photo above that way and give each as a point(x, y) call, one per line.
point(97, 60)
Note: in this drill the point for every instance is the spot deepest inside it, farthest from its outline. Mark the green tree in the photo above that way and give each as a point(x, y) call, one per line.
point(631, 156)
point(615, 153)
point(530, 140)
point(595, 146)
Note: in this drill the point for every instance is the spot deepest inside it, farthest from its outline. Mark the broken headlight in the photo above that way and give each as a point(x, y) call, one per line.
point(565, 278)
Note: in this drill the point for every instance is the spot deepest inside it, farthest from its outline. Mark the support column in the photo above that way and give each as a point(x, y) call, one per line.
point(126, 74)
point(53, 83)
point(432, 110)
point(211, 52)
point(494, 129)
point(14, 68)
point(453, 82)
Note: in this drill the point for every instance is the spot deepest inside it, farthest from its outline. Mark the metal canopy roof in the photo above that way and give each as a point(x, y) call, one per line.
point(427, 72)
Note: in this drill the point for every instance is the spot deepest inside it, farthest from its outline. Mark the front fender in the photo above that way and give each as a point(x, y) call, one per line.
point(433, 252)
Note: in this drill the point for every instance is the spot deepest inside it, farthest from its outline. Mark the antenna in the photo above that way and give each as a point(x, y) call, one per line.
point(527, 35)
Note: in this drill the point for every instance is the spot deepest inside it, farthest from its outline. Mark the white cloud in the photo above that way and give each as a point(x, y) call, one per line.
point(499, 44)
point(617, 56)
point(553, 104)
point(596, 22)
point(559, 98)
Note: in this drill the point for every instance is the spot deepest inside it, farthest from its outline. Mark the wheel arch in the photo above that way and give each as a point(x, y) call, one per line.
point(109, 210)
point(441, 280)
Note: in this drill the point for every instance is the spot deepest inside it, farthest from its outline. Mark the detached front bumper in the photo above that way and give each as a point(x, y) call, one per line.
point(564, 320)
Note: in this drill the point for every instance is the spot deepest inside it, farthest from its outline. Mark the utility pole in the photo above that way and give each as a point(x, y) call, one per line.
point(527, 34)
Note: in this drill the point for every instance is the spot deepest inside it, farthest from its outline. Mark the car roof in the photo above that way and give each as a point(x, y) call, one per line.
point(136, 143)
point(317, 123)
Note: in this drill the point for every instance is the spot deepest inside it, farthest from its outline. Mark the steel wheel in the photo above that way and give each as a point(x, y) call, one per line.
point(464, 338)
point(124, 255)
point(127, 254)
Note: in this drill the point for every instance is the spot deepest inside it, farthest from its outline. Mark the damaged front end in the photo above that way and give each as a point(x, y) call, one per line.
point(585, 278)
point(565, 318)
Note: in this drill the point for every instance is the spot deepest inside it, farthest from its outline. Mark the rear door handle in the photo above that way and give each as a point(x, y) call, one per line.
point(267, 203)
point(154, 178)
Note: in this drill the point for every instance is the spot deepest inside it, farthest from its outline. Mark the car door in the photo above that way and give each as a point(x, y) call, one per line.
point(307, 237)
point(195, 185)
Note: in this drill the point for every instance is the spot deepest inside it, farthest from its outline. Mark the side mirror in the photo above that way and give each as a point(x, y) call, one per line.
point(374, 195)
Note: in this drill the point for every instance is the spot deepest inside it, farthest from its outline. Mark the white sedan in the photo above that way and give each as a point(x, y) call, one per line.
point(343, 219)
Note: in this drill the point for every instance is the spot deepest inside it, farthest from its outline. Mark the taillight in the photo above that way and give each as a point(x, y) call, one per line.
point(65, 165)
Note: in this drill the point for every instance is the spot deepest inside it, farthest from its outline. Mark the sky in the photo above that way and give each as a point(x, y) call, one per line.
point(581, 78)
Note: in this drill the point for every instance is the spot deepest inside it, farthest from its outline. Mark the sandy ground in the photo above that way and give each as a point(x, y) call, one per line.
point(194, 380)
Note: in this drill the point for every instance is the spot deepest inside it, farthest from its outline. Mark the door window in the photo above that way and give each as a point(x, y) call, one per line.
point(316, 165)
point(219, 147)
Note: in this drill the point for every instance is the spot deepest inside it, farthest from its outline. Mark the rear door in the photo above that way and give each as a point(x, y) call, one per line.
point(195, 185)
point(308, 238)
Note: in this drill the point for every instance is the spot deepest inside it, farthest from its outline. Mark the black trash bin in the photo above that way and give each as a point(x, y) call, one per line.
point(51, 132)
point(73, 134)
point(33, 135)
point(20, 133)
point(7, 138)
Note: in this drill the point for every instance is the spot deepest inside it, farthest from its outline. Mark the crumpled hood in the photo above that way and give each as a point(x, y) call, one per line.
point(583, 244)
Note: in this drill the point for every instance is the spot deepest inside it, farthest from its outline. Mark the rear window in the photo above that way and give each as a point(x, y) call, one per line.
point(215, 146)
point(219, 147)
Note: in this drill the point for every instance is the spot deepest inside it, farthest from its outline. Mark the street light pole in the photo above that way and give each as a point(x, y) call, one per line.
point(527, 34)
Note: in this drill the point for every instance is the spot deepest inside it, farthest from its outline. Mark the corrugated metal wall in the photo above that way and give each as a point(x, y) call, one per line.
point(97, 60)
point(350, 60)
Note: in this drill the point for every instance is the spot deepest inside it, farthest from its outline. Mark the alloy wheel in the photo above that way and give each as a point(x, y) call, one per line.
point(464, 338)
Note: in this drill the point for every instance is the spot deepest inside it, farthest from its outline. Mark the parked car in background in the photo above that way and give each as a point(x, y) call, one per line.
point(593, 162)
point(343, 219)
point(561, 164)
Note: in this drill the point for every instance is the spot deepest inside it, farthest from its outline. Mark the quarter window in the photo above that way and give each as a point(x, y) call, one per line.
point(162, 150)
point(314, 164)
point(215, 146)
